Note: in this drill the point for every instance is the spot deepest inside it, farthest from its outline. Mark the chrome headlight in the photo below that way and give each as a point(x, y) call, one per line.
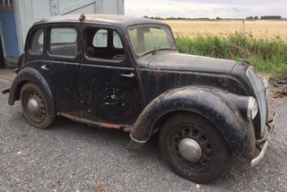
point(248, 107)
point(252, 109)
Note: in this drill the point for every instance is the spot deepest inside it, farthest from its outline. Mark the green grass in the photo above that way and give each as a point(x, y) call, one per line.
point(266, 55)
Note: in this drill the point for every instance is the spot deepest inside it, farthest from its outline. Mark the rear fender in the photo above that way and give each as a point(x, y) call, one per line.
point(31, 75)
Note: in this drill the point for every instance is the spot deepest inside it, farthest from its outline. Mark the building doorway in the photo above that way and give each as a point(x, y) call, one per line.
point(2, 62)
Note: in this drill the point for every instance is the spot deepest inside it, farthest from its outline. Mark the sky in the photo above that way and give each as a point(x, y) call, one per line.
point(205, 8)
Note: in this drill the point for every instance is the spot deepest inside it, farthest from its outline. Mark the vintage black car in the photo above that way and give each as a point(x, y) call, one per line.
point(126, 73)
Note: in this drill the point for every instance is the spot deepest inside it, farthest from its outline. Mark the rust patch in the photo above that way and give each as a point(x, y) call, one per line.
point(125, 128)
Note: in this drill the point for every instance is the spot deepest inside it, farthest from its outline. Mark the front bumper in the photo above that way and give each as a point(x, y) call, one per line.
point(265, 142)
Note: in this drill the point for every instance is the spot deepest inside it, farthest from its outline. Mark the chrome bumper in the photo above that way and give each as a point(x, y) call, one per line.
point(261, 155)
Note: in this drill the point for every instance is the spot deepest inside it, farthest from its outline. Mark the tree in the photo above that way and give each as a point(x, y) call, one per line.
point(271, 17)
point(252, 18)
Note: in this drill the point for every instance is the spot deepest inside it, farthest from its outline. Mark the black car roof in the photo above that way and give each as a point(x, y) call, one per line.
point(99, 19)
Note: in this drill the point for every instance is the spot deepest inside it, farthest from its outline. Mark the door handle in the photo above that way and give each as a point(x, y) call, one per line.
point(44, 67)
point(131, 75)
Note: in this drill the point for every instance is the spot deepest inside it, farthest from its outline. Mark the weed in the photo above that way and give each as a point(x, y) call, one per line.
point(265, 54)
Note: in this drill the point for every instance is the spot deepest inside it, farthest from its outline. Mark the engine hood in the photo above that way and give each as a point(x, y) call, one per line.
point(174, 61)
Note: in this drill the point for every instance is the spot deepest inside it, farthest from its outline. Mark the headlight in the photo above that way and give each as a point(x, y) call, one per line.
point(252, 109)
point(248, 107)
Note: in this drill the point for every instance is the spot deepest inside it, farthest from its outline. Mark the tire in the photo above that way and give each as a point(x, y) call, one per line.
point(35, 107)
point(187, 129)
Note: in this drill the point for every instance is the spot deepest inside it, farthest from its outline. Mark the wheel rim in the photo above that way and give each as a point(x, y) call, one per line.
point(193, 139)
point(35, 106)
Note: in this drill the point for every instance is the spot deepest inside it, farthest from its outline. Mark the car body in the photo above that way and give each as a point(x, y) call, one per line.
point(126, 73)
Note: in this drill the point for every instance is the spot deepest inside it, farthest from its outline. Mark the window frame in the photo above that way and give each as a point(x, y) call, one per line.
point(31, 40)
point(152, 26)
point(109, 29)
point(49, 40)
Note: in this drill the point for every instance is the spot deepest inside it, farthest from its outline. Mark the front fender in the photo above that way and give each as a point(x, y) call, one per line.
point(209, 103)
point(31, 75)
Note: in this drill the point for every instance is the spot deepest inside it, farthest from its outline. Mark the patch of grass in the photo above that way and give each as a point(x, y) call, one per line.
point(265, 54)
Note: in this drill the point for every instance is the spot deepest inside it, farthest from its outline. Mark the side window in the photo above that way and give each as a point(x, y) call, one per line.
point(37, 42)
point(63, 42)
point(104, 44)
point(101, 38)
point(117, 41)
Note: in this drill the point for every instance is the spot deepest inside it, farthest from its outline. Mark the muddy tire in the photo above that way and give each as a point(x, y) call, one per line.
point(194, 148)
point(35, 107)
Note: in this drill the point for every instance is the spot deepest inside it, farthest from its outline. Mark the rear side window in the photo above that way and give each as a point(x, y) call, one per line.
point(63, 42)
point(37, 42)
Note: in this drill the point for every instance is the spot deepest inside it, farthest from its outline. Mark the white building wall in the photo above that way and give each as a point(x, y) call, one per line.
point(29, 11)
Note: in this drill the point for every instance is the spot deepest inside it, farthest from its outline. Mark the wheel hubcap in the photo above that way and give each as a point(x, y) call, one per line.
point(190, 150)
point(33, 106)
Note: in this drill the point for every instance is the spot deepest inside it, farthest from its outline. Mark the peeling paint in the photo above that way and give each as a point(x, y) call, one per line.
point(125, 128)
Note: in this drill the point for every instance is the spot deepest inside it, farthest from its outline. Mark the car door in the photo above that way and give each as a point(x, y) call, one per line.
point(110, 85)
point(61, 67)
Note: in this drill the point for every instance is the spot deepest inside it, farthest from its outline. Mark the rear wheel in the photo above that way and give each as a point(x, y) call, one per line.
point(194, 148)
point(35, 107)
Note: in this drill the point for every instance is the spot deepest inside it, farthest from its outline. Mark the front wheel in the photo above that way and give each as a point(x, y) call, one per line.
point(194, 148)
point(35, 107)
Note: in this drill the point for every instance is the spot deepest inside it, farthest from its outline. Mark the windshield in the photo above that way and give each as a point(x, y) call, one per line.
point(146, 39)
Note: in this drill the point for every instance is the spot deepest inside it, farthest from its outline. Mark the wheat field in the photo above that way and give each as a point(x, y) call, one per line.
point(254, 28)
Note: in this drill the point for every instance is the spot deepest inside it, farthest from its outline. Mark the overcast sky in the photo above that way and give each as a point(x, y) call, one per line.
point(206, 8)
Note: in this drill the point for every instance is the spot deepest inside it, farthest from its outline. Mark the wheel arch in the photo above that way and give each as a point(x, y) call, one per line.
point(206, 102)
point(31, 75)
point(17, 91)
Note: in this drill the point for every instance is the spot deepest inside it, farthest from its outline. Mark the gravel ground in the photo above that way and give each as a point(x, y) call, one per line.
point(75, 157)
